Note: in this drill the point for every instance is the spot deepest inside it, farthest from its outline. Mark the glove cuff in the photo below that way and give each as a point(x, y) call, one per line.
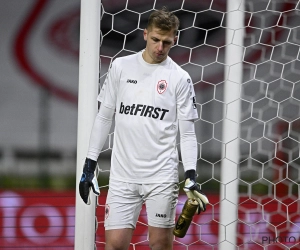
point(191, 174)
point(90, 165)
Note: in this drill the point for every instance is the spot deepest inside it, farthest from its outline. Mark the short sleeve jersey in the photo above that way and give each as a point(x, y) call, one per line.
point(148, 100)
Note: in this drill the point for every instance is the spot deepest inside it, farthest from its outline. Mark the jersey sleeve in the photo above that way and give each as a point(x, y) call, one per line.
point(186, 99)
point(108, 92)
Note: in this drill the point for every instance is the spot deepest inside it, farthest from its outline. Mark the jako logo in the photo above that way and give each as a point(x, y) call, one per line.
point(161, 215)
point(132, 81)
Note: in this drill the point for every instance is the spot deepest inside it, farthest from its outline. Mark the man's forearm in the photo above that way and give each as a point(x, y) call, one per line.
point(100, 132)
point(188, 144)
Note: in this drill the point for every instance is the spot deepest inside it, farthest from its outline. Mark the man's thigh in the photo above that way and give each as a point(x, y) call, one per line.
point(161, 238)
point(118, 238)
point(123, 205)
point(161, 200)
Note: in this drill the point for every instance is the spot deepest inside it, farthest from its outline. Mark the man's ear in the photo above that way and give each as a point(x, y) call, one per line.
point(175, 39)
point(145, 33)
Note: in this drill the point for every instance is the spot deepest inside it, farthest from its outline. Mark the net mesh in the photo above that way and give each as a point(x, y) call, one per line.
point(268, 175)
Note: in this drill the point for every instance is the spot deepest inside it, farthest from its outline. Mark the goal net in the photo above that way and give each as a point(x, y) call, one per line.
point(248, 139)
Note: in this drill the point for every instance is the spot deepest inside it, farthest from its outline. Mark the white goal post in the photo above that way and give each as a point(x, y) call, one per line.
point(230, 132)
point(85, 220)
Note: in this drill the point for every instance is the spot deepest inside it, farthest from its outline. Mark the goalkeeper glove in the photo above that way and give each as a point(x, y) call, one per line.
point(88, 180)
point(193, 191)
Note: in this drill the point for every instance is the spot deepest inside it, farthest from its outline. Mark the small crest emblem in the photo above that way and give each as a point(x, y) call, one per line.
point(106, 211)
point(162, 86)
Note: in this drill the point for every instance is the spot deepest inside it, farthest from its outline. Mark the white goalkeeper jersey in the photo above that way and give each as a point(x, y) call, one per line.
point(148, 99)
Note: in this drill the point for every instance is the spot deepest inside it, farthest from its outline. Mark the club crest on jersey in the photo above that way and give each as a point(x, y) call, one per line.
point(162, 86)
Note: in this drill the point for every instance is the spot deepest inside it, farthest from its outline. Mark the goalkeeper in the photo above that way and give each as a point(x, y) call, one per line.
point(151, 98)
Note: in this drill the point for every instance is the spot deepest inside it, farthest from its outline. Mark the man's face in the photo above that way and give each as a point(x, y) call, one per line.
point(158, 44)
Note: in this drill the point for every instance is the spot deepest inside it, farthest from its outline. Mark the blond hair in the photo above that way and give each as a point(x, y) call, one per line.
point(164, 20)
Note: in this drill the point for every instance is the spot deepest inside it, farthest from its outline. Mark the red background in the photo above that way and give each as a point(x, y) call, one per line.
point(39, 219)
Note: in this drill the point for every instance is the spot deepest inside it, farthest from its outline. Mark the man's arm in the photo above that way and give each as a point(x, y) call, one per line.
point(98, 137)
point(188, 145)
point(100, 131)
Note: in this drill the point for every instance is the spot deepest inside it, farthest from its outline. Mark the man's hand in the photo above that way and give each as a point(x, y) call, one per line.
point(88, 180)
point(193, 191)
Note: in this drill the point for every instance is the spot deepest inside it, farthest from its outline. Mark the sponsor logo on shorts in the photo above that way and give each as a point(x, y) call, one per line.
point(143, 110)
point(131, 81)
point(160, 215)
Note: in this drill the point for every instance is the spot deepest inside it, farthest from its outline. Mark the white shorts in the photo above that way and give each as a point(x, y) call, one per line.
point(124, 203)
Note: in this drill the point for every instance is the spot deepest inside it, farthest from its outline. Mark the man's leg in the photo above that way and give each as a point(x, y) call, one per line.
point(160, 238)
point(122, 209)
point(161, 201)
point(118, 239)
